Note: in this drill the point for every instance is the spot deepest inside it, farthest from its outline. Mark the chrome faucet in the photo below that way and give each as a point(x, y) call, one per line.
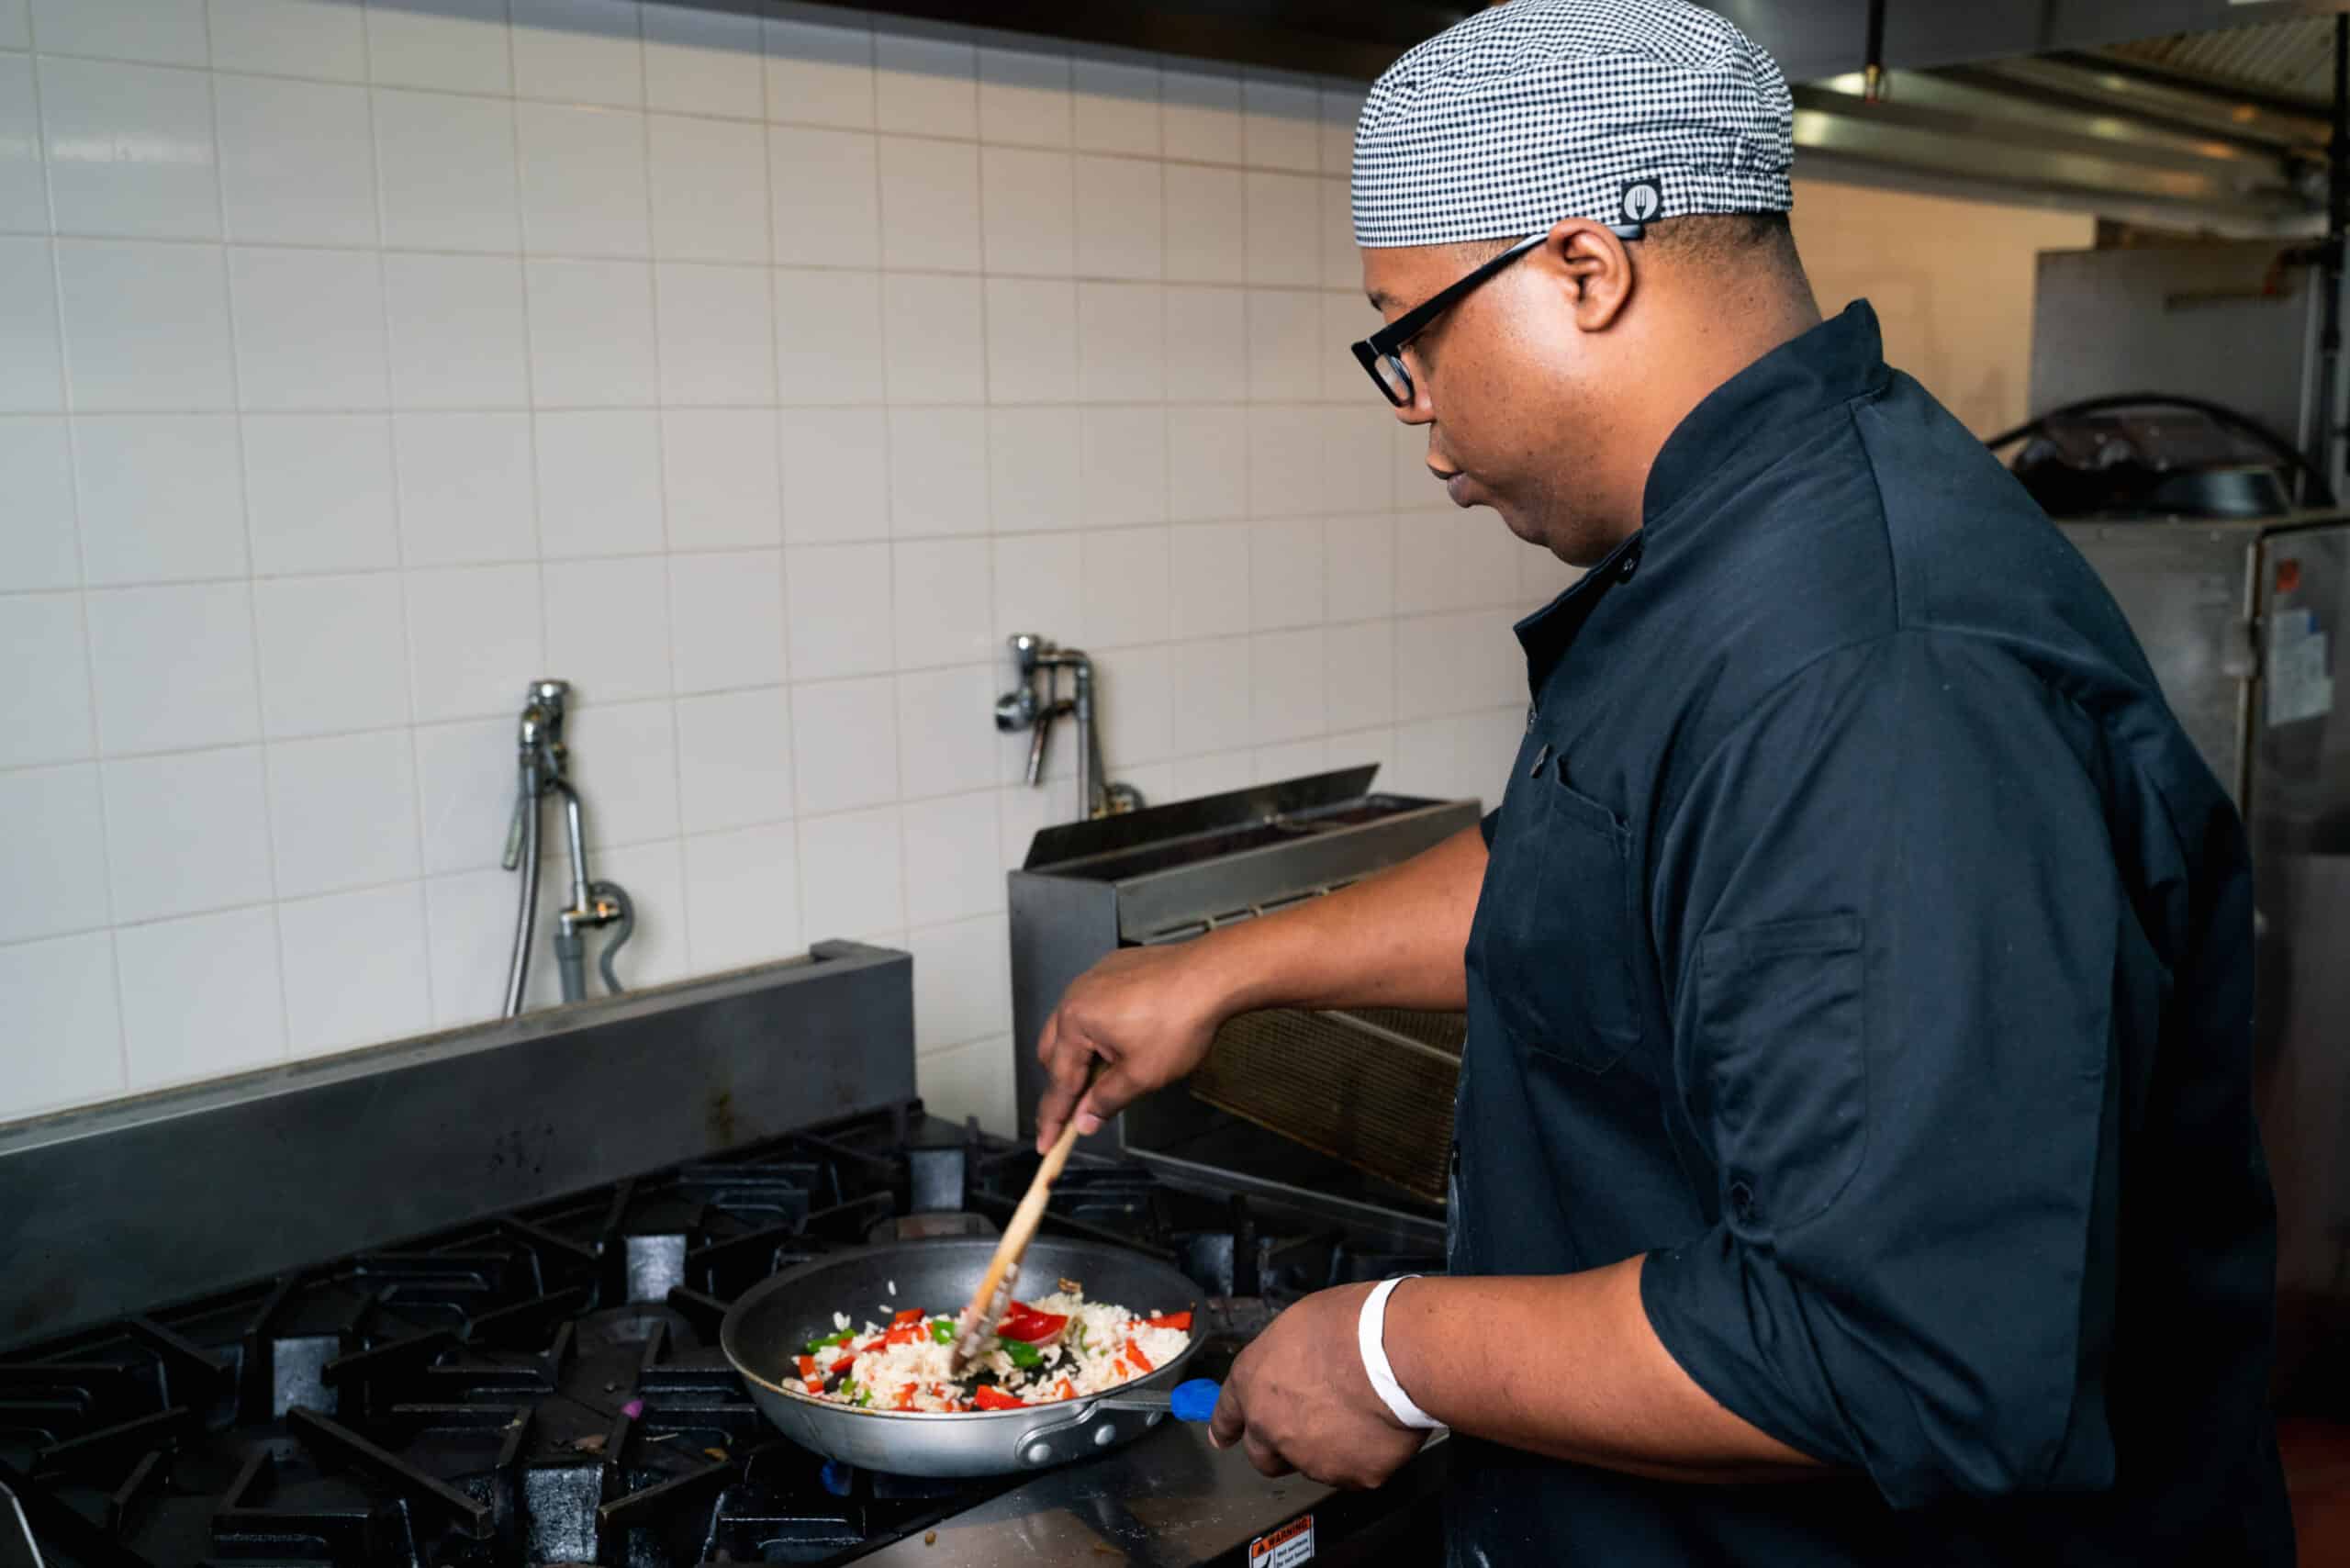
point(542, 759)
point(1024, 706)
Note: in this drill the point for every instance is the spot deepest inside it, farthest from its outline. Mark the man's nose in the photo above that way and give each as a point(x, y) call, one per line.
point(1419, 411)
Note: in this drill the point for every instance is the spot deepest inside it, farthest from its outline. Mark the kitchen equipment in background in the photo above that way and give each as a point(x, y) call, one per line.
point(100, 1217)
point(765, 1329)
point(2237, 323)
point(2245, 623)
point(1024, 706)
point(542, 762)
point(1354, 1105)
point(2149, 454)
point(539, 1377)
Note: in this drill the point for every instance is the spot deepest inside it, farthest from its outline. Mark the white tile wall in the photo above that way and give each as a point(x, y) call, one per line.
point(457, 333)
point(57, 873)
point(290, 38)
point(130, 148)
point(599, 482)
point(459, 45)
point(447, 167)
point(704, 62)
point(329, 650)
point(718, 468)
point(38, 549)
point(161, 498)
point(583, 181)
point(298, 162)
point(361, 362)
point(62, 994)
point(24, 200)
point(186, 831)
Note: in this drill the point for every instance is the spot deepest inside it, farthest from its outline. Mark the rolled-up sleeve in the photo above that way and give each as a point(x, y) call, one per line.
point(1899, 950)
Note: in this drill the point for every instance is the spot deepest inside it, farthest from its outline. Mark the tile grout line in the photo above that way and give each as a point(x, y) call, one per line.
point(896, 801)
point(798, 891)
point(263, 741)
point(82, 578)
point(522, 251)
point(537, 564)
point(661, 481)
point(377, 212)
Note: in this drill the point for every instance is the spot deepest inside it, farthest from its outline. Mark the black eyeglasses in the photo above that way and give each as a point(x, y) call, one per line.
point(1381, 353)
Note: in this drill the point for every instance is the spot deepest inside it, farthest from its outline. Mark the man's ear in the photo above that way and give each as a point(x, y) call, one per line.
point(1592, 268)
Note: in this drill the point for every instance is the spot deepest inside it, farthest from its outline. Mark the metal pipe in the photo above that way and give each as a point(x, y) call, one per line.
point(526, 914)
point(1089, 744)
point(570, 947)
point(576, 836)
point(2334, 420)
point(1023, 707)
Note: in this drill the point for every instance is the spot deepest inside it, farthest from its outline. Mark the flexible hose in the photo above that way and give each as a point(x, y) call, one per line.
point(621, 934)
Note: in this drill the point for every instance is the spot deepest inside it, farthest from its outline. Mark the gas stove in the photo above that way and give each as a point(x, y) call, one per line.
point(544, 1385)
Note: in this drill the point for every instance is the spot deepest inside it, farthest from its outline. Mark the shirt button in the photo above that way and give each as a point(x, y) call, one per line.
point(1632, 563)
point(1531, 709)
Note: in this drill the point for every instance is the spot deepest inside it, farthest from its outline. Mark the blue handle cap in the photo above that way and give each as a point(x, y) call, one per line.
point(1195, 1400)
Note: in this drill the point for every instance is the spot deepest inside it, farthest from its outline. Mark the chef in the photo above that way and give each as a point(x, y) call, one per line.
point(1854, 1156)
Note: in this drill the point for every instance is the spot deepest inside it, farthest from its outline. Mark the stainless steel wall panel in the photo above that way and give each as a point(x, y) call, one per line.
point(117, 1208)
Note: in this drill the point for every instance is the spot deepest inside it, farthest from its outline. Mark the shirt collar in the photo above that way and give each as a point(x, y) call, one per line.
point(1840, 359)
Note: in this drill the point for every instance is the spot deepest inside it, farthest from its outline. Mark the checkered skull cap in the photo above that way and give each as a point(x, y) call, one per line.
point(1538, 110)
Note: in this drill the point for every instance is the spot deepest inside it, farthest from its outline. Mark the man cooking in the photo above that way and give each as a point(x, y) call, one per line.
point(1854, 1158)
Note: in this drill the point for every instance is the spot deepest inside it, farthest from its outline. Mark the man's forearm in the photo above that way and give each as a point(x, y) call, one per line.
point(1568, 1366)
point(1393, 940)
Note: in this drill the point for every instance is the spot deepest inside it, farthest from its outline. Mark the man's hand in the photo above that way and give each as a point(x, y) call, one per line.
point(1148, 1012)
point(1298, 1399)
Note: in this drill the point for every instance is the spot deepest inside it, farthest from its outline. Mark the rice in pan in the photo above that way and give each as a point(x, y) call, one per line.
point(1058, 1347)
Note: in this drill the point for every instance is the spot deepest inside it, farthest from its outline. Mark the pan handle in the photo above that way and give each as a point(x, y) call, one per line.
point(1097, 1422)
point(1193, 1401)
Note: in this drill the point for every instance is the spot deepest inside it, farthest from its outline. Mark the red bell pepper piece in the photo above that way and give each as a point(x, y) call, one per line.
point(844, 1363)
point(906, 1397)
point(1141, 1362)
point(990, 1398)
point(911, 1315)
point(808, 1368)
point(1023, 1322)
point(1171, 1320)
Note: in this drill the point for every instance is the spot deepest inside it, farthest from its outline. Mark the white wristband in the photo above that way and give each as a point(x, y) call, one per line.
point(1370, 1339)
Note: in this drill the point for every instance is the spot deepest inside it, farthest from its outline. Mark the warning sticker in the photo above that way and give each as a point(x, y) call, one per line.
point(2301, 667)
point(1286, 1547)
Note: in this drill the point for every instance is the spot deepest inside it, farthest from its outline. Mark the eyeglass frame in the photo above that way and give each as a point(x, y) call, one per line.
point(1390, 341)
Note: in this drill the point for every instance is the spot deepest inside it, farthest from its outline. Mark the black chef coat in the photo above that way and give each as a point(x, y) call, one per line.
point(1865, 942)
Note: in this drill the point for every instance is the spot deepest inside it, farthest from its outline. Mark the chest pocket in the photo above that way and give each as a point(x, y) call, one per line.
point(1559, 921)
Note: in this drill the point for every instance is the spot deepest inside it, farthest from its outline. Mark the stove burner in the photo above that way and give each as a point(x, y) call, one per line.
point(545, 1386)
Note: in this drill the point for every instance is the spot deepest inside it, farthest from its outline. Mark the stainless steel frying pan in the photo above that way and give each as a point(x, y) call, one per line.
point(768, 1326)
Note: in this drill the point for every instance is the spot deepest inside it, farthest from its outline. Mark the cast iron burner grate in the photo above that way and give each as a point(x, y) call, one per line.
point(545, 1386)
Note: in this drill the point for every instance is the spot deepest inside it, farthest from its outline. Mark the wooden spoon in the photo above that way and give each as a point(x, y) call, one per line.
point(979, 1320)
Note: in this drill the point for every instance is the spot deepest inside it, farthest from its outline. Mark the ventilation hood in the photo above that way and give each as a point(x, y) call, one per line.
point(2206, 114)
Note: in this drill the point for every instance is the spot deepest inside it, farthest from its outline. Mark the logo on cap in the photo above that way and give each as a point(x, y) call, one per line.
point(1641, 201)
